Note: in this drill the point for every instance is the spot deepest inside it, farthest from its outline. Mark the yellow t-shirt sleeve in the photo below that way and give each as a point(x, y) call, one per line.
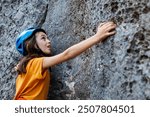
point(35, 67)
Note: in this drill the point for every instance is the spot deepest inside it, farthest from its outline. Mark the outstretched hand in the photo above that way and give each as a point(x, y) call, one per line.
point(105, 30)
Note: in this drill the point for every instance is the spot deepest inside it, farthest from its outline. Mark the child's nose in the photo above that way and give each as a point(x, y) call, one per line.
point(48, 41)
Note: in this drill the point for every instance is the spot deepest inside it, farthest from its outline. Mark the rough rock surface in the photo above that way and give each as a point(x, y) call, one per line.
point(117, 69)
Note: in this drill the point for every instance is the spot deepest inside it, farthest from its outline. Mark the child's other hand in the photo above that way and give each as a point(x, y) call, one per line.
point(106, 29)
point(16, 67)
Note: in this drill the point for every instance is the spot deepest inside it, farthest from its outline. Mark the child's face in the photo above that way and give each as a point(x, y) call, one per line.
point(43, 42)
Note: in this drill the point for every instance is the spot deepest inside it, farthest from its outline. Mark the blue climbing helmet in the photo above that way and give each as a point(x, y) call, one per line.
point(23, 37)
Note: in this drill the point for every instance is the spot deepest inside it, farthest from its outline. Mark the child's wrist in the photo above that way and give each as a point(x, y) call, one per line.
point(98, 37)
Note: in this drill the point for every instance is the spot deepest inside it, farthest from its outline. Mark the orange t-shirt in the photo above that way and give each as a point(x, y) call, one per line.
point(34, 84)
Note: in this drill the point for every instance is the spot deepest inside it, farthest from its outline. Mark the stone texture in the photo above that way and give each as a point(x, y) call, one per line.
point(117, 69)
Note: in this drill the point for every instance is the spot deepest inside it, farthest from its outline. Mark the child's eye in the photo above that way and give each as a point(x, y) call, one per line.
point(43, 38)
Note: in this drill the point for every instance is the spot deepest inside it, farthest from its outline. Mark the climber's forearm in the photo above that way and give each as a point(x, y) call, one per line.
point(77, 49)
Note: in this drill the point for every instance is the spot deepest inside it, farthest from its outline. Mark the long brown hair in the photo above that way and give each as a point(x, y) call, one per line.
point(33, 51)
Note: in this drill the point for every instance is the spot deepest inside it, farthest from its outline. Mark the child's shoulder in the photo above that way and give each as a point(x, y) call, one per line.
point(35, 63)
point(37, 59)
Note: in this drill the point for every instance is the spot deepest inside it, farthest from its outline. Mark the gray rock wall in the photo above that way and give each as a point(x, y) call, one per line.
point(117, 69)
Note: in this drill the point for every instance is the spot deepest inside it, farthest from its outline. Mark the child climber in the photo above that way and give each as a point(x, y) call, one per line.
point(33, 78)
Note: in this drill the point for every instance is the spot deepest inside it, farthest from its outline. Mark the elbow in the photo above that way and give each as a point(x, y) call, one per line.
point(67, 55)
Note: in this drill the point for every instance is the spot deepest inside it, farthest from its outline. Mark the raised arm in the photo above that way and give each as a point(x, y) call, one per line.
point(104, 30)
